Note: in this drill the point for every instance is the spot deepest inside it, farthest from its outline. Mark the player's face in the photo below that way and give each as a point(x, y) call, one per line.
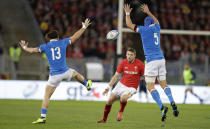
point(130, 56)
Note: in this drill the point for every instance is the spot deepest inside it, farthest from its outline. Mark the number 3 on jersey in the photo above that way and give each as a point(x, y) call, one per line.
point(56, 51)
point(156, 39)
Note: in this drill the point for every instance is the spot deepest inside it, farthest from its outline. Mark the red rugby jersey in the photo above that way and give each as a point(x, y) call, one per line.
point(131, 72)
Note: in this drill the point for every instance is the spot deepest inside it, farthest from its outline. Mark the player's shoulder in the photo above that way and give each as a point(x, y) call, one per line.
point(65, 39)
point(139, 62)
point(43, 45)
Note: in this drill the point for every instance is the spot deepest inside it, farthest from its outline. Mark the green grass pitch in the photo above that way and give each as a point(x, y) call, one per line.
point(18, 114)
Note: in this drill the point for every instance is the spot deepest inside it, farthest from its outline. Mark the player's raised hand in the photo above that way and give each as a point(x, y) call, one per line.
point(86, 23)
point(23, 43)
point(106, 91)
point(145, 8)
point(127, 8)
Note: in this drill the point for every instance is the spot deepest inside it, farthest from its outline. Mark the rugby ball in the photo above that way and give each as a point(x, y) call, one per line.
point(113, 34)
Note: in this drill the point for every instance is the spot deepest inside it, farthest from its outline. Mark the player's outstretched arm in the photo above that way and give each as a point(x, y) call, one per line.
point(80, 31)
point(25, 47)
point(112, 82)
point(145, 9)
point(127, 17)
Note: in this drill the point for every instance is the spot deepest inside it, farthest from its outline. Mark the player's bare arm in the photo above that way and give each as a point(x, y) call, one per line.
point(146, 10)
point(112, 82)
point(127, 18)
point(81, 31)
point(25, 47)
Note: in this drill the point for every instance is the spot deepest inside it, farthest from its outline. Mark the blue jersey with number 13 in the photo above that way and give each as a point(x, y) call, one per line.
point(56, 55)
point(151, 41)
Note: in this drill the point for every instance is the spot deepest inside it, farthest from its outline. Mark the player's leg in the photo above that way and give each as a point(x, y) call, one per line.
point(185, 95)
point(201, 100)
point(52, 83)
point(45, 103)
point(162, 81)
point(81, 79)
point(151, 72)
point(167, 90)
point(126, 94)
point(155, 95)
point(49, 90)
point(108, 107)
point(151, 87)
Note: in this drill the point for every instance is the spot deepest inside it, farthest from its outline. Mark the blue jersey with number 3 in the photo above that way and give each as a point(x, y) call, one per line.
point(56, 55)
point(150, 36)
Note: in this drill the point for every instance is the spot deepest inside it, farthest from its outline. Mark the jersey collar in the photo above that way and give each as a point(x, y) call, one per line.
point(53, 40)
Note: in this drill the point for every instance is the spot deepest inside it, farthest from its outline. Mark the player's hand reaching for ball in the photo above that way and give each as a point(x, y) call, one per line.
point(106, 91)
point(127, 8)
point(23, 44)
point(86, 23)
point(145, 8)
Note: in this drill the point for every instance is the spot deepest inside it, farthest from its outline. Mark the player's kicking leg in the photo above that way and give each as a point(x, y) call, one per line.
point(45, 104)
point(81, 79)
point(167, 91)
point(108, 107)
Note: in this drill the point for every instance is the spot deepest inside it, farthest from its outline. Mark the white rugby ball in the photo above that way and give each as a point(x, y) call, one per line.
point(113, 34)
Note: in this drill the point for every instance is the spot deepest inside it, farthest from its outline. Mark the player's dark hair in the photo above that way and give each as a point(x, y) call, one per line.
point(131, 50)
point(52, 34)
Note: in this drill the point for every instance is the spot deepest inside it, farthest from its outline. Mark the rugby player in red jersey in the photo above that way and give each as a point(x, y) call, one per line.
point(132, 69)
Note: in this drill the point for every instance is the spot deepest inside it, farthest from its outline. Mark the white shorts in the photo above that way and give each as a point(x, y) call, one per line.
point(55, 80)
point(189, 87)
point(155, 68)
point(120, 89)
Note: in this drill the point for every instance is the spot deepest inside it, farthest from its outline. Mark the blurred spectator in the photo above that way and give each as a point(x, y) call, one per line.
point(15, 52)
point(66, 17)
point(189, 81)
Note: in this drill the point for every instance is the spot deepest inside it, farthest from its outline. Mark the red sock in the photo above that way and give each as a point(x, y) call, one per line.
point(106, 111)
point(123, 104)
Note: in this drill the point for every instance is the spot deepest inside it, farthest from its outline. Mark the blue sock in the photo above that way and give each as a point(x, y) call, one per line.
point(167, 91)
point(197, 96)
point(185, 97)
point(156, 97)
point(84, 82)
point(43, 113)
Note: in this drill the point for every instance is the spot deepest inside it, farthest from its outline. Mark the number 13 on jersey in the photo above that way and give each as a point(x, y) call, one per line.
point(156, 39)
point(56, 53)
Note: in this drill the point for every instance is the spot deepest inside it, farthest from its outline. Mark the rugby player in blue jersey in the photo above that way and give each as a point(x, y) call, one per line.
point(55, 50)
point(155, 61)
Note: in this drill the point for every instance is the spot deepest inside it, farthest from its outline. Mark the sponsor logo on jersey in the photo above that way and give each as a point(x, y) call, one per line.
point(130, 72)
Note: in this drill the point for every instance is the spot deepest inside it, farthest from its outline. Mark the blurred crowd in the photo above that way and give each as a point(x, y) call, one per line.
point(184, 15)
point(67, 15)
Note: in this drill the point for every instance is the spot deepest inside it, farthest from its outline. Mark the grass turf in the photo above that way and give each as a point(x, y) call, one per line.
point(18, 114)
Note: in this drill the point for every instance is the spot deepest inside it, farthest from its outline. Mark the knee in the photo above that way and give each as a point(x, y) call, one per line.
point(150, 87)
point(109, 102)
point(125, 97)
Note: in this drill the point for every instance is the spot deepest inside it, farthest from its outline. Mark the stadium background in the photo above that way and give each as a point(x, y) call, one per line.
point(31, 19)
point(41, 16)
